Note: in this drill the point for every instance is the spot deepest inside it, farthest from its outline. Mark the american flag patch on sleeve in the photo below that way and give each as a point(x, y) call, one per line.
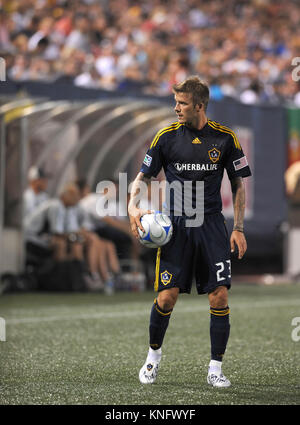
point(240, 163)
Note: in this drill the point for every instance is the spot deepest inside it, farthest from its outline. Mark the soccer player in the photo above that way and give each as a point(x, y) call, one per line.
point(194, 149)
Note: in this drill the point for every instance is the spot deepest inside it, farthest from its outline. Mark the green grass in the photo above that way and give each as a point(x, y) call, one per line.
point(88, 349)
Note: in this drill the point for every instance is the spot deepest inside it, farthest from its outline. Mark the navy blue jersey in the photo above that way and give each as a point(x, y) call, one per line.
point(188, 154)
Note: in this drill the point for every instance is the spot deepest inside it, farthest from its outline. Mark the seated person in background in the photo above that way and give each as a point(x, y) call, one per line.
point(62, 225)
point(35, 194)
point(112, 226)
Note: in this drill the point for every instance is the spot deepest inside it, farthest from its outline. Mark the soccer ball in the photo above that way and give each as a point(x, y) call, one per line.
point(158, 229)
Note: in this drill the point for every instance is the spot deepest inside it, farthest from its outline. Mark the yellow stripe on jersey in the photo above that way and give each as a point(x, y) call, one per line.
point(173, 126)
point(224, 129)
point(157, 270)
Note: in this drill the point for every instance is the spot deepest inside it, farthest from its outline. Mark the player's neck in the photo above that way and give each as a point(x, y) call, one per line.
point(198, 123)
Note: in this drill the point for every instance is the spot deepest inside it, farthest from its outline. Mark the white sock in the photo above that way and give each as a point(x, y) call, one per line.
point(215, 366)
point(154, 355)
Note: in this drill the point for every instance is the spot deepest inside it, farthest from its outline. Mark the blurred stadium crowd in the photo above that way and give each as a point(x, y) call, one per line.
point(242, 48)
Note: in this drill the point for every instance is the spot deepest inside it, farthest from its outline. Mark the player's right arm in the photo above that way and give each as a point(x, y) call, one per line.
point(139, 186)
point(151, 166)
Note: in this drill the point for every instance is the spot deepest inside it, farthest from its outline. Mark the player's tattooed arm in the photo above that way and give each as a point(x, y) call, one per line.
point(238, 197)
point(138, 189)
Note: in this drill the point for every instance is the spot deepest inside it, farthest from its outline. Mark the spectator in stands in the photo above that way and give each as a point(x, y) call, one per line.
point(79, 38)
point(90, 78)
point(45, 30)
point(20, 68)
point(68, 72)
point(147, 46)
point(252, 94)
point(36, 193)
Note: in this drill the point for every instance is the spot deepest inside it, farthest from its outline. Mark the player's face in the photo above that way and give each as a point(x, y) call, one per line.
point(185, 109)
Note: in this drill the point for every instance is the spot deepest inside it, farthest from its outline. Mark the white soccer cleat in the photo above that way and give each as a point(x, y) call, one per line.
point(218, 380)
point(148, 372)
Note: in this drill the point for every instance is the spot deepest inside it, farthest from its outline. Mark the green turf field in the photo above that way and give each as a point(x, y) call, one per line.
point(88, 349)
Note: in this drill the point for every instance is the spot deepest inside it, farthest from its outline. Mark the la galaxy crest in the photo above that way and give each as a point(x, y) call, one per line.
point(214, 155)
point(165, 277)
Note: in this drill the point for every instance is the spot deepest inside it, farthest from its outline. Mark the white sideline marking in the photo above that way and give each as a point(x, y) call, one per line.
point(124, 314)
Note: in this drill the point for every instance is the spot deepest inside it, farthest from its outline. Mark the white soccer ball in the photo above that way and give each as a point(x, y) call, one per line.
point(158, 229)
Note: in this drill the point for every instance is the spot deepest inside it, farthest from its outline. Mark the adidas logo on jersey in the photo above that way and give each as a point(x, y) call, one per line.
point(196, 141)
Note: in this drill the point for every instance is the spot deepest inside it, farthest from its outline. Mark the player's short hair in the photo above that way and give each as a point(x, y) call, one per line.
point(198, 88)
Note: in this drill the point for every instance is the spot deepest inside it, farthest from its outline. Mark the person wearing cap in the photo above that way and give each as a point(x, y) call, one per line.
point(36, 193)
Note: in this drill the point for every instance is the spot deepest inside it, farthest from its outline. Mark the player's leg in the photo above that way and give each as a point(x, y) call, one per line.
point(213, 277)
point(219, 325)
point(159, 320)
point(174, 270)
point(219, 334)
point(160, 316)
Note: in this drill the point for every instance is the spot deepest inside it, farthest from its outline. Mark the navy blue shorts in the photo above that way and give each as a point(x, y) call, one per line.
point(200, 252)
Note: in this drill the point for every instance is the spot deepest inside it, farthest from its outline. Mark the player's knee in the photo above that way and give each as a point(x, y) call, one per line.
point(219, 297)
point(167, 299)
point(166, 304)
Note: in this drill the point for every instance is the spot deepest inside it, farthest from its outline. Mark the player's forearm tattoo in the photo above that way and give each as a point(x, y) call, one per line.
point(238, 196)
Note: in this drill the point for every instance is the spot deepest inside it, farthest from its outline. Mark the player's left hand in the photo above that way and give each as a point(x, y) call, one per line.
point(238, 239)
